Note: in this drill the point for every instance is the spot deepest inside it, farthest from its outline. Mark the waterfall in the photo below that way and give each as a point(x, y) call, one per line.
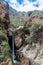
point(13, 49)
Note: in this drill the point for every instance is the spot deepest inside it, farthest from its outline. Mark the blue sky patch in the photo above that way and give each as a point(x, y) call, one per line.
point(8, 1)
point(32, 0)
point(20, 1)
point(36, 5)
point(26, 5)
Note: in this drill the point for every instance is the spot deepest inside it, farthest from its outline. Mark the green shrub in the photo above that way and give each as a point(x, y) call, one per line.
point(26, 29)
point(2, 57)
point(35, 26)
point(1, 22)
point(27, 49)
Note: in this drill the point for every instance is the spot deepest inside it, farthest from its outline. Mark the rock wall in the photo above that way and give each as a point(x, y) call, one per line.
point(18, 37)
point(4, 14)
point(5, 58)
point(32, 53)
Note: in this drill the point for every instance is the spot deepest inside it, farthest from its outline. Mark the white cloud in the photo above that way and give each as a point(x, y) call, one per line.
point(26, 5)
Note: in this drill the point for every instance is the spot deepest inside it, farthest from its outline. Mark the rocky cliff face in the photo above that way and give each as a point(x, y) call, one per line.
point(37, 19)
point(27, 54)
point(4, 15)
point(18, 37)
point(4, 25)
point(32, 53)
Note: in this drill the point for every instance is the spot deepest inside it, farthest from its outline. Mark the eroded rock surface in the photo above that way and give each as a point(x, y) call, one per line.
point(18, 36)
point(4, 25)
point(4, 14)
point(32, 54)
point(6, 61)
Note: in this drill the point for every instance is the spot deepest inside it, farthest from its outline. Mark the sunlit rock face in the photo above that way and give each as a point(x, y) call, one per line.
point(31, 54)
point(18, 37)
point(4, 14)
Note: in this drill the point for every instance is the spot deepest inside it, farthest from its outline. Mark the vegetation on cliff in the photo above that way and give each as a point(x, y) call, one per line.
point(28, 31)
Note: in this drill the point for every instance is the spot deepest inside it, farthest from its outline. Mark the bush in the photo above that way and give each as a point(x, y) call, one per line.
point(1, 22)
point(35, 26)
point(26, 30)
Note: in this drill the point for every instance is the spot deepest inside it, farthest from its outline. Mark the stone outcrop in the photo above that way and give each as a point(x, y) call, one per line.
point(4, 14)
point(32, 54)
point(18, 37)
point(37, 19)
point(30, 57)
point(36, 35)
point(4, 25)
point(6, 61)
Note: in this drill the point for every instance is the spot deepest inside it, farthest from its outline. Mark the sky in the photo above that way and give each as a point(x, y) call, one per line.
point(26, 5)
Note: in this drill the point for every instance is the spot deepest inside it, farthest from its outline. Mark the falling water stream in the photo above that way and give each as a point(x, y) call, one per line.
point(13, 49)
